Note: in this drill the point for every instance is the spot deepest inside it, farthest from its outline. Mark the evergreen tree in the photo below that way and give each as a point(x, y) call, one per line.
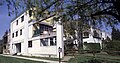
point(115, 34)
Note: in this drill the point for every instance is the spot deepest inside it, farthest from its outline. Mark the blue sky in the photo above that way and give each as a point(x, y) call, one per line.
point(4, 20)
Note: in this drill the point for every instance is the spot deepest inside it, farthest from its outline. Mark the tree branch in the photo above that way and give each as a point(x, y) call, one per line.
point(107, 13)
point(49, 6)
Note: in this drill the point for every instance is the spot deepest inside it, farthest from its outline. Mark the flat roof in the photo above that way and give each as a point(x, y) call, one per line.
point(18, 15)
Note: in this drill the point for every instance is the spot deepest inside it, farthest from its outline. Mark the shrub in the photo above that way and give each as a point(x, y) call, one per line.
point(88, 59)
point(92, 47)
point(113, 47)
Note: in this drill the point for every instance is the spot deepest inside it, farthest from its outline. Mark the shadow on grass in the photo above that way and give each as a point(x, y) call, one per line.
point(4, 59)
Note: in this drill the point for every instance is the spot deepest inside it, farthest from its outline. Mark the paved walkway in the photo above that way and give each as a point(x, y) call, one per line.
point(34, 59)
point(67, 58)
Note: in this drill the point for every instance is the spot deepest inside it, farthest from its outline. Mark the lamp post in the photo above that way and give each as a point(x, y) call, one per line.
point(59, 50)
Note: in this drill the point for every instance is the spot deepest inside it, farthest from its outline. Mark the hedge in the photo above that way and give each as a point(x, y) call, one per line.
point(92, 47)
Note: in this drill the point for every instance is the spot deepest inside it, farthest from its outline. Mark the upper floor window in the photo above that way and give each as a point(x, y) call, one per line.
point(20, 31)
point(12, 35)
point(30, 13)
point(29, 43)
point(101, 34)
point(17, 22)
point(86, 34)
point(95, 34)
point(16, 33)
point(22, 18)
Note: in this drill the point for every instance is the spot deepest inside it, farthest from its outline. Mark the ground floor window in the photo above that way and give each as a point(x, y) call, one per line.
point(29, 43)
point(51, 41)
point(44, 42)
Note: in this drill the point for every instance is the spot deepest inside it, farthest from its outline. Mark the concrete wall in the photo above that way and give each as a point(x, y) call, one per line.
point(36, 49)
point(20, 38)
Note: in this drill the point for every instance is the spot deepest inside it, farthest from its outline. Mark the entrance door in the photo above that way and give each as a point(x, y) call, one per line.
point(18, 47)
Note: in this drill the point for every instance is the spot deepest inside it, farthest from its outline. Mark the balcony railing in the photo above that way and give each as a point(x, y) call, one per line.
point(48, 35)
point(42, 35)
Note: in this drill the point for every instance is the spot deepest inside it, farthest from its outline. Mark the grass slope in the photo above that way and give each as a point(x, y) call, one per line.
point(100, 58)
point(4, 59)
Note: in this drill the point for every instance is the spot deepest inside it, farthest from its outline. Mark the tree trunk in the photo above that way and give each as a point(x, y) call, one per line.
point(79, 36)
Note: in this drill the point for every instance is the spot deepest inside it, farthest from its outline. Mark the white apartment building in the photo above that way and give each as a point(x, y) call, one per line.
point(32, 38)
point(94, 35)
point(6, 42)
point(35, 39)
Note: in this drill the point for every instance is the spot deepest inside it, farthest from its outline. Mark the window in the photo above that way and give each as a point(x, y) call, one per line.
point(16, 33)
point(101, 34)
point(45, 28)
point(30, 13)
point(85, 42)
point(29, 43)
point(86, 34)
point(12, 35)
point(17, 22)
point(44, 42)
point(95, 34)
point(4, 47)
point(22, 18)
point(52, 41)
point(21, 32)
point(55, 39)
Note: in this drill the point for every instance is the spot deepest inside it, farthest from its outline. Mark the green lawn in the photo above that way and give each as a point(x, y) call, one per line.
point(45, 58)
point(88, 58)
point(4, 59)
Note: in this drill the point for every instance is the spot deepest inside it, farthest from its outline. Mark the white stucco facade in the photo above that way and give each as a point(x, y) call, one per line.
point(92, 38)
point(43, 39)
point(25, 39)
point(94, 35)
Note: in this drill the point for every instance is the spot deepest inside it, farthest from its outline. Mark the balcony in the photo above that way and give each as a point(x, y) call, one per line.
point(44, 34)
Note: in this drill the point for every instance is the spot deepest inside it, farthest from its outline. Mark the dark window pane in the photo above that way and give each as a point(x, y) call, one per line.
point(44, 42)
point(95, 34)
point(16, 33)
point(29, 43)
point(22, 18)
point(30, 13)
point(21, 32)
point(86, 34)
point(52, 41)
point(17, 22)
point(12, 35)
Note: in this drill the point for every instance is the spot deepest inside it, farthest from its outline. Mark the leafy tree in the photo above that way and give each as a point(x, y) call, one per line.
point(82, 12)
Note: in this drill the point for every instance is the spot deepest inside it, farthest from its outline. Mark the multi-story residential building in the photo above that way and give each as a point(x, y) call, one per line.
point(30, 37)
point(94, 35)
point(33, 38)
point(1, 46)
point(6, 41)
